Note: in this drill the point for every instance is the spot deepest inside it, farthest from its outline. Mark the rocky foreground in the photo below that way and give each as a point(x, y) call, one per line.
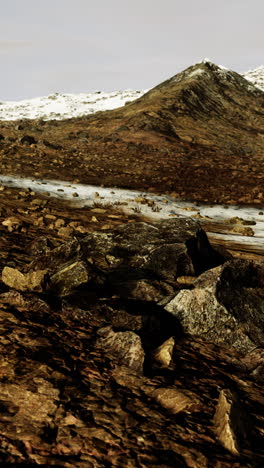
point(126, 343)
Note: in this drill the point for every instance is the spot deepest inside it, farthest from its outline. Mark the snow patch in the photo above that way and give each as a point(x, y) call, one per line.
point(256, 77)
point(65, 106)
point(164, 206)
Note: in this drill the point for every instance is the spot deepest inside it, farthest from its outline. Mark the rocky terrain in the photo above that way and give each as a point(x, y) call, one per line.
point(125, 342)
point(199, 135)
point(128, 342)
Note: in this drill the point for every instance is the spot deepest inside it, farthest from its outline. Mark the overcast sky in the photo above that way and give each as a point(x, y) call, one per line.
point(73, 46)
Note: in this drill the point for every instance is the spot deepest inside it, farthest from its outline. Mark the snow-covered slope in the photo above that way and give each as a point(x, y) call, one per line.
point(63, 106)
point(256, 76)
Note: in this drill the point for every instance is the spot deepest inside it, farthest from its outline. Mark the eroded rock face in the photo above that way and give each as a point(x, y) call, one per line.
point(226, 305)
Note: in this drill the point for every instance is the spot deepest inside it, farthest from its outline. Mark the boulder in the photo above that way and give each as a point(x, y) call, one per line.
point(138, 260)
point(124, 347)
point(32, 281)
point(143, 260)
point(66, 280)
point(226, 305)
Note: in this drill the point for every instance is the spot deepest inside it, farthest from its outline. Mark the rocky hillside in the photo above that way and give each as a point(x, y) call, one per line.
point(198, 135)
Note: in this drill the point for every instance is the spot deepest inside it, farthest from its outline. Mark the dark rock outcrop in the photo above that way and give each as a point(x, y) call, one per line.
point(140, 260)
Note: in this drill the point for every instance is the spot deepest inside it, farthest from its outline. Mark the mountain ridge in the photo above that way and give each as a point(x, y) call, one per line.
point(198, 134)
point(60, 106)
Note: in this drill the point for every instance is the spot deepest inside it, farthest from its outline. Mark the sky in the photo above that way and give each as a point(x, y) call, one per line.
point(74, 46)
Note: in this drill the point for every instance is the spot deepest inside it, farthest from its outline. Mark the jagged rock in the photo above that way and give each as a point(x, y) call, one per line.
point(225, 306)
point(32, 281)
point(68, 252)
point(175, 401)
point(162, 356)
point(140, 261)
point(39, 222)
point(135, 255)
point(125, 347)
point(228, 421)
point(186, 280)
point(65, 281)
point(82, 229)
point(114, 371)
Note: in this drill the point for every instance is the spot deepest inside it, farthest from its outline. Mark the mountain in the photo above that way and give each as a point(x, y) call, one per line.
point(59, 106)
point(256, 76)
point(198, 135)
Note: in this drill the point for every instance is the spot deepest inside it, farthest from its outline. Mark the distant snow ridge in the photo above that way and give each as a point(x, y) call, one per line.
point(256, 77)
point(63, 106)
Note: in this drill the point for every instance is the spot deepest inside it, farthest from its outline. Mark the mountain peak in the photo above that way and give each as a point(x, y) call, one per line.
point(206, 68)
point(207, 73)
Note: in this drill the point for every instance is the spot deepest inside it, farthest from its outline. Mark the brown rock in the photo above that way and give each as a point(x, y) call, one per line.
point(82, 229)
point(228, 422)
point(12, 223)
point(242, 231)
point(65, 231)
point(162, 356)
point(175, 401)
point(32, 281)
point(59, 223)
point(125, 347)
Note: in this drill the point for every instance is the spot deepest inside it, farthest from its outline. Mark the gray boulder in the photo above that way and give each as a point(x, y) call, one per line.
point(226, 305)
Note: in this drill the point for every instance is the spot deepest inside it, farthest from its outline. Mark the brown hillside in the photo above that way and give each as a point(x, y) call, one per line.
point(198, 134)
